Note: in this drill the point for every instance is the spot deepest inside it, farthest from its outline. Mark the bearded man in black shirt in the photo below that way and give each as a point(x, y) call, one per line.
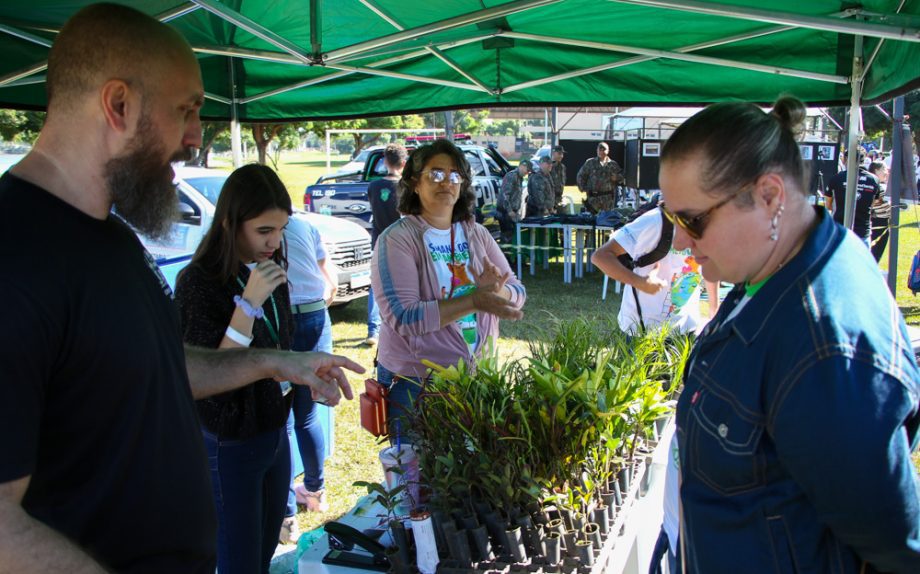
point(102, 465)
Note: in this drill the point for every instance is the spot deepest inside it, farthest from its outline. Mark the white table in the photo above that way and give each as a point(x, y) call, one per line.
point(364, 515)
point(577, 253)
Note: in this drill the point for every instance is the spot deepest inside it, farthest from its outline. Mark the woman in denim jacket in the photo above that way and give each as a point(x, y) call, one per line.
point(800, 407)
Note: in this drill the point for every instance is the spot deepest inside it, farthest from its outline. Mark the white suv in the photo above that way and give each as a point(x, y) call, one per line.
point(347, 244)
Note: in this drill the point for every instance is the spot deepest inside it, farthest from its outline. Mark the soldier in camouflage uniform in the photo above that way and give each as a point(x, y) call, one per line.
point(540, 198)
point(598, 179)
point(558, 175)
point(509, 199)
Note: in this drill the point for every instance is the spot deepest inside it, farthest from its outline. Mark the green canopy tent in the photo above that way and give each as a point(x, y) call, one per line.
point(273, 60)
point(266, 60)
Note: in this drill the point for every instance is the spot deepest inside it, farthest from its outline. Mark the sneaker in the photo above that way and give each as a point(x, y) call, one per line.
point(314, 501)
point(371, 341)
point(290, 531)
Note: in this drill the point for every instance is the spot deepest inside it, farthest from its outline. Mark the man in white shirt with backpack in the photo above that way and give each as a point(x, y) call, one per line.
point(662, 285)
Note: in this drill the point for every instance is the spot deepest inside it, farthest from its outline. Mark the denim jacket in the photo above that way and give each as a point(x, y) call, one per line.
point(796, 423)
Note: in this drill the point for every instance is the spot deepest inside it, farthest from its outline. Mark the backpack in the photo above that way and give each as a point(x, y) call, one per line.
point(664, 242)
point(913, 280)
point(656, 254)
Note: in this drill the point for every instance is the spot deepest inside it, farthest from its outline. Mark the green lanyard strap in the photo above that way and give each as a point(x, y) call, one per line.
point(272, 329)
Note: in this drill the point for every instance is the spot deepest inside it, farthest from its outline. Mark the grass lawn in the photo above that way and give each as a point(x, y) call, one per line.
point(355, 456)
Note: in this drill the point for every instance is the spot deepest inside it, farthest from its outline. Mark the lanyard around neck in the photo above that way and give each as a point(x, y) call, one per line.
point(272, 329)
point(454, 281)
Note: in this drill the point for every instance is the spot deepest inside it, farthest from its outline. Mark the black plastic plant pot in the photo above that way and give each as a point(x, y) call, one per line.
point(601, 517)
point(569, 565)
point(578, 521)
point(515, 544)
point(593, 533)
point(482, 547)
point(496, 528)
point(570, 536)
point(469, 521)
point(438, 519)
point(608, 497)
point(623, 481)
point(398, 563)
point(557, 525)
point(549, 512)
point(460, 548)
point(535, 541)
point(482, 508)
point(567, 515)
point(552, 543)
point(400, 538)
point(585, 552)
point(523, 520)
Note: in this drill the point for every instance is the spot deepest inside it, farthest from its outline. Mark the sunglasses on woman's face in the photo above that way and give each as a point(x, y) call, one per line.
point(436, 175)
point(696, 225)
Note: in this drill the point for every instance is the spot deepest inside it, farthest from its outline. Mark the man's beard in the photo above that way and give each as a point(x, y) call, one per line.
point(141, 186)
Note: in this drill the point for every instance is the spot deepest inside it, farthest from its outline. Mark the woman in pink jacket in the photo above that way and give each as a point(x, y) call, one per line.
point(441, 281)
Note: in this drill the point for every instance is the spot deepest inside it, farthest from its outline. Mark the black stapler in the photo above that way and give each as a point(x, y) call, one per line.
point(342, 552)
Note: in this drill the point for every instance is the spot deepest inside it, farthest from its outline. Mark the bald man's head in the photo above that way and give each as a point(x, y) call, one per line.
point(108, 41)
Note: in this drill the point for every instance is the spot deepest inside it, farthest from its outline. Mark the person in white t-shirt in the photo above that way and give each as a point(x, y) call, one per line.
point(667, 290)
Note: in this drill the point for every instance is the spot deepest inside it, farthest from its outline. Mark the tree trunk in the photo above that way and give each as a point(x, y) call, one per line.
point(263, 134)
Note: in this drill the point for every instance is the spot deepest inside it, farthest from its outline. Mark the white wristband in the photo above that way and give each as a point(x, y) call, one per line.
point(237, 337)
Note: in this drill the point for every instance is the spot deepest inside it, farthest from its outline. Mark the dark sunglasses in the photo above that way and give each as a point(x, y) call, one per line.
point(696, 225)
point(438, 175)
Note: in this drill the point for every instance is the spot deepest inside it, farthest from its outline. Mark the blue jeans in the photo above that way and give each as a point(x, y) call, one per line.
point(373, 315)
point(250, 479)
point(312, 332)
point(403, 393)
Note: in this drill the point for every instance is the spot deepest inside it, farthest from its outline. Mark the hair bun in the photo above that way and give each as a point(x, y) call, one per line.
point(791, 113)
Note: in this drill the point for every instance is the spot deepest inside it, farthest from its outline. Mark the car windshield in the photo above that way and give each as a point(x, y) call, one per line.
point(209, 186)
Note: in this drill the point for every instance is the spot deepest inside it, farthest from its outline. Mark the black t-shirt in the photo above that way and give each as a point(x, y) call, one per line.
point(381, 193)
point(95, 403)
point(205, 309)
point(867, 190)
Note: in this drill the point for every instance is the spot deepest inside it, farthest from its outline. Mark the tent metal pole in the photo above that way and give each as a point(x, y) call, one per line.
point(433, 51)
point(849, 204)
point(24, 73)
point(216, 98)
point(177, 12)
point(401, 76)
point(895, 183)
point(447, 44)
point(316, 29)
point(681, 56)
point(878, 47)
point(328, 152)
point(435, 27)
point(640, 59)
point(236, 136)
point(858, 28)
point(296, 86)
point(22, 35)
point(337, 75)
point(254, 28)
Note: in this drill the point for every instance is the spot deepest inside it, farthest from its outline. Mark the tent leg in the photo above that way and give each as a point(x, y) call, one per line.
point(236, 138)
point(895, 183)
point(856, 84)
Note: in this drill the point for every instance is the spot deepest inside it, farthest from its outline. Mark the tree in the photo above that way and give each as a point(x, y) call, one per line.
point(263, 134)
point(876, 125)
point(210, 131)
point(20, 127)
point(363, 140)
